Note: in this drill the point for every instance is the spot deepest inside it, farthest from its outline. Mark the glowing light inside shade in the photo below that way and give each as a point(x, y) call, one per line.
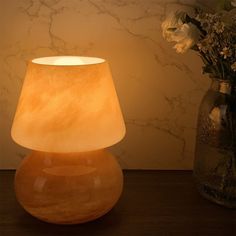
point(67, 60)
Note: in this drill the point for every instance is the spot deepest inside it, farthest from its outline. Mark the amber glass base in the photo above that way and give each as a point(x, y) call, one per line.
point(68, 188)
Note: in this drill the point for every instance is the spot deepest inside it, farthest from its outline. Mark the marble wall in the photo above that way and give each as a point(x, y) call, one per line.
point(159, 90)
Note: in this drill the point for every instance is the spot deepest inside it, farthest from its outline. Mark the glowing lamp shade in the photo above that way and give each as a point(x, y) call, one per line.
point(68, 112)
point(68, 104)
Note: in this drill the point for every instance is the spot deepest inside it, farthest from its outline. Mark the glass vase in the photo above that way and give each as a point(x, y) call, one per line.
point(215, 153)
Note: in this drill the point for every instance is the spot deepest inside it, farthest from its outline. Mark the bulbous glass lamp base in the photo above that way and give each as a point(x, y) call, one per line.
point(68, 188)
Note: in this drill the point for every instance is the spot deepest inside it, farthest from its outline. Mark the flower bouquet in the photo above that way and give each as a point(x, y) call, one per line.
point(211, 32)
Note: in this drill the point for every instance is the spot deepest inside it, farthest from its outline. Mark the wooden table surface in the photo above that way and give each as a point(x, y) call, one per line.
point(153, 203)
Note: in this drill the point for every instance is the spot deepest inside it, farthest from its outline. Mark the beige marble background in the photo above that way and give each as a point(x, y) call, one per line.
point(159, 90)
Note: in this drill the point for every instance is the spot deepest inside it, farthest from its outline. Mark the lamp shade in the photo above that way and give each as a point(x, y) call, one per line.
point(68, 104)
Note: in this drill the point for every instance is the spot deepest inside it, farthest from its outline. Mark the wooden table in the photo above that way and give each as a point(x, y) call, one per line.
point(153, 203)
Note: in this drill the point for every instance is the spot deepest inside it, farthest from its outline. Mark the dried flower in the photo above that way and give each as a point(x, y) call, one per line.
point(206, 21)
point(219, 27)
point(226, 52)
point(204, 46)
point(210, 32)
point(233, 66)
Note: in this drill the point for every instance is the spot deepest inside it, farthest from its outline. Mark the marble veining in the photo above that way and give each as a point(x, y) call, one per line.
point(70, 190)
point(159, 90)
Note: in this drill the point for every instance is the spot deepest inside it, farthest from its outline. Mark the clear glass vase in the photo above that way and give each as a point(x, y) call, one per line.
point(215, 153)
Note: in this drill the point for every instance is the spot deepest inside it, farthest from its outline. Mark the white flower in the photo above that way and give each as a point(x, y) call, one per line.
point(188, 37)
point(233, 3)
point(171, 24)
point(174, 30)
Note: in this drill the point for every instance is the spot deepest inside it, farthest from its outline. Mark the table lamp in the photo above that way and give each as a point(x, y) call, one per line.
point(68, 112)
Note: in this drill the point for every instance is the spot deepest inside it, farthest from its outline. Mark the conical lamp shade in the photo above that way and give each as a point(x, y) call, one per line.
point(68, 104)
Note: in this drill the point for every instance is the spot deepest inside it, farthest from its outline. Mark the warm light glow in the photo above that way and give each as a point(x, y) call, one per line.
point(67, 60)
point(68, 108)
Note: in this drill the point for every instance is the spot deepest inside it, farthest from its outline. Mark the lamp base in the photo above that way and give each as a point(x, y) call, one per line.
point(68, 188)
